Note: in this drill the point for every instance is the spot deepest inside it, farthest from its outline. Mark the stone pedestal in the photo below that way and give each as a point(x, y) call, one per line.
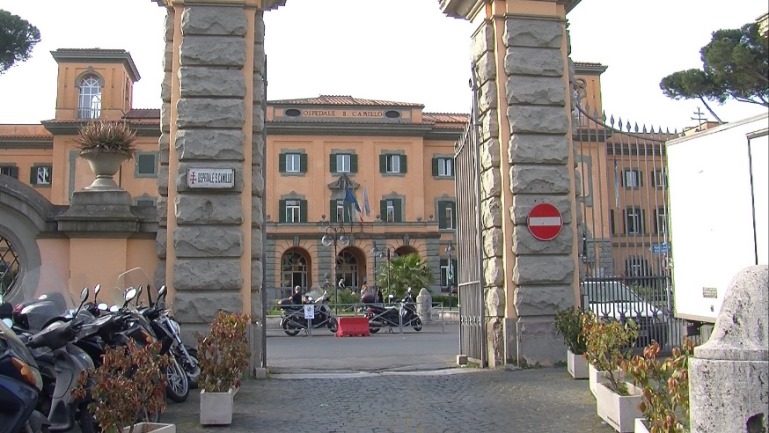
point(728, 375)
point(94, 211)
point(425, 305)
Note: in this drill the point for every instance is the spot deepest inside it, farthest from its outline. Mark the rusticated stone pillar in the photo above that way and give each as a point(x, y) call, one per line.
point(520, 63)
point(212, 117)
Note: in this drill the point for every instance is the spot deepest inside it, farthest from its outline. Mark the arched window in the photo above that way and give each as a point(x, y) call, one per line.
point(348, 269)
point(293, 266)
point(89, 101)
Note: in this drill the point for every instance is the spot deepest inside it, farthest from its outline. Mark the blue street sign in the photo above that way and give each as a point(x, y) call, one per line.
point(661, 248)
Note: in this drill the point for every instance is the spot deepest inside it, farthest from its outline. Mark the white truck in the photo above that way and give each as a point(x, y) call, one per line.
point(718, 212)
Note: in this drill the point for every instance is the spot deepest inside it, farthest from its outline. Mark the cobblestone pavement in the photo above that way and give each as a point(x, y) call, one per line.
point(541, 400)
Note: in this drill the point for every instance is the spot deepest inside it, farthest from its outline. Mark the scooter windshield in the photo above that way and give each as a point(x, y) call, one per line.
point(134, 279)
point(42, 294)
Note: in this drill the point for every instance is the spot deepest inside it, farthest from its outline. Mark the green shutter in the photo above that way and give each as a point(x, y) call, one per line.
point(441, 214)
point(32, 177)
point(435, 166)
point(303, 163)
point(282, 211)
point(383, 164)
point(145, 164)
point(398, 210)
point(332, 211)
point(404, 166)
point(303, 211)
point(353, 163)
point(332, 162)
point(282, 162)
point(383, 210)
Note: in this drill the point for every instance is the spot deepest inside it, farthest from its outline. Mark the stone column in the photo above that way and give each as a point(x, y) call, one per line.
point(729, 375)
point(213, 117)
point(521, 69)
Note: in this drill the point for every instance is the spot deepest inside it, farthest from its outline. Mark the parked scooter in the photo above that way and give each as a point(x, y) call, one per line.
point(405, 314)
point(293, 319)
point(20, 381)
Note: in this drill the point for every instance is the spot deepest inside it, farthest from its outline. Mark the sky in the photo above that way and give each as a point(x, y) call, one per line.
point(397, 50)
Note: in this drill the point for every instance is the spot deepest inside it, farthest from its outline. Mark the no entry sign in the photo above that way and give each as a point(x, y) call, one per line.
point(544, 222)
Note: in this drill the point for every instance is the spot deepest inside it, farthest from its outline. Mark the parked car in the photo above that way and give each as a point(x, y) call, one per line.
point(614, 300)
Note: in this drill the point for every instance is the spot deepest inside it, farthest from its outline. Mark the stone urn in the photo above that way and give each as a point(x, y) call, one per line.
point(104, 164)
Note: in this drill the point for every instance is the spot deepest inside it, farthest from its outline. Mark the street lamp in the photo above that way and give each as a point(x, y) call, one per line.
point(375, 252)
point(333, 236)
point(450, 269)
point(387, 252)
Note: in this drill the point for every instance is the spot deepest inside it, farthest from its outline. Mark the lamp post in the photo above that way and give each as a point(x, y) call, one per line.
point(450, 269)
point(389, 254)
point(334, 236)
point(375, 252)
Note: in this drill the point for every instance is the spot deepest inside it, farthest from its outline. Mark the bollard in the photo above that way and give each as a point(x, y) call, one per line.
point(729, 375)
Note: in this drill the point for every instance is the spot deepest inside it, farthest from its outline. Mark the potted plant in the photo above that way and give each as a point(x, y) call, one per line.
point(608, 347)
point(105, 145)
point(665, 385)
point(223, 356)
point(568, 323)
point(127, 389)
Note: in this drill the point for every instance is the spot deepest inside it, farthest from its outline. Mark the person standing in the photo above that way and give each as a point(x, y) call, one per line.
point(296, 298)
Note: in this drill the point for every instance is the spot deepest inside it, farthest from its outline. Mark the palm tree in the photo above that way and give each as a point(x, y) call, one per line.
point(402, 272)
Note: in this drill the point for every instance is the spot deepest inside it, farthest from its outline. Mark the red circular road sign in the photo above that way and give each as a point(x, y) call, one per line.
point(544, 222)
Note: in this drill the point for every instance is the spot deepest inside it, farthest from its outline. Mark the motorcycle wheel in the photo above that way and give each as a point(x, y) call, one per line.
point(178, 388)
point(288, 329)
point(374, 327)
point(417, 324)
point(333, 325)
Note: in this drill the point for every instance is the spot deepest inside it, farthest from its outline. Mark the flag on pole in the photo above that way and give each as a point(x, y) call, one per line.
point(349, 196)
point(616, 185)
point(366, 206)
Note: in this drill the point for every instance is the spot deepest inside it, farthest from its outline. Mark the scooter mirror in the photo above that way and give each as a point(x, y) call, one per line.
point(83, 294)
point(103, 307)
point(162, 290)
point(130, 294)
point(96, 290)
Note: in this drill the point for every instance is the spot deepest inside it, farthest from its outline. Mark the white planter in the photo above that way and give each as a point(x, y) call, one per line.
point(576, 365)
point(216, 407)
point(619, 411)
point(595, 376)
point(639, 426)
point(151, 427)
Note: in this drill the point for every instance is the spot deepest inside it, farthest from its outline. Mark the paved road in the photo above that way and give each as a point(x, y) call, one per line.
point(397, 383)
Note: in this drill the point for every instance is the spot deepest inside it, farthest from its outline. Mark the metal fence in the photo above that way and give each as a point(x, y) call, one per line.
point(621, 180)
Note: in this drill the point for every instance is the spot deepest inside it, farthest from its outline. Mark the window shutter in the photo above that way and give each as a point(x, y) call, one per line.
point(383, 210)
point(282, 207)
point(303, 163)
point(353, 163)
point(642, 223)
point(398, 210)
point(33, 175)
point(624, 219)
point(14, 172)
point(303, 211)
point(435, 166)
point(611, 222)
point(332, 162)
point(282, 162)
point(441, 214)
point(383, 163)
point(403, 164)
point(332, 211)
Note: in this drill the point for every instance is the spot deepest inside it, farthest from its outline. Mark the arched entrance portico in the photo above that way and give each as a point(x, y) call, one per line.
point(213, 105)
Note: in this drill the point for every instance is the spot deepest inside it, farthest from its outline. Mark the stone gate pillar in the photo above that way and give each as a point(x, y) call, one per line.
point(212, 118)
point(520, 59)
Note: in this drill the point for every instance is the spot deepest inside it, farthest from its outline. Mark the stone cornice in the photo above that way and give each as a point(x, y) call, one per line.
point(97, 55)
point(465, 9)
point(262, 4)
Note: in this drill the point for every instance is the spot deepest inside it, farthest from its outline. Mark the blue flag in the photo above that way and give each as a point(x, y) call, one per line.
point(350, 197)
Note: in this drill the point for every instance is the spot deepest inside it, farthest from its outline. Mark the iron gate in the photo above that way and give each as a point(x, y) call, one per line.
point(623, 225)
point(472, 335)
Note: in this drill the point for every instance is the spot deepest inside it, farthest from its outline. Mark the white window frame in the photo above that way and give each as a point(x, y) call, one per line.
point(445, 167)
point(392, 163)
point(661, 214)
point(293, 163)
point(89, 98)
point(634, 215)
point(42, 170)
point(390, 216)
point(293, 211)
point(341, 212)
point(632, 178)
point(343, 162)
point(660, 179)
